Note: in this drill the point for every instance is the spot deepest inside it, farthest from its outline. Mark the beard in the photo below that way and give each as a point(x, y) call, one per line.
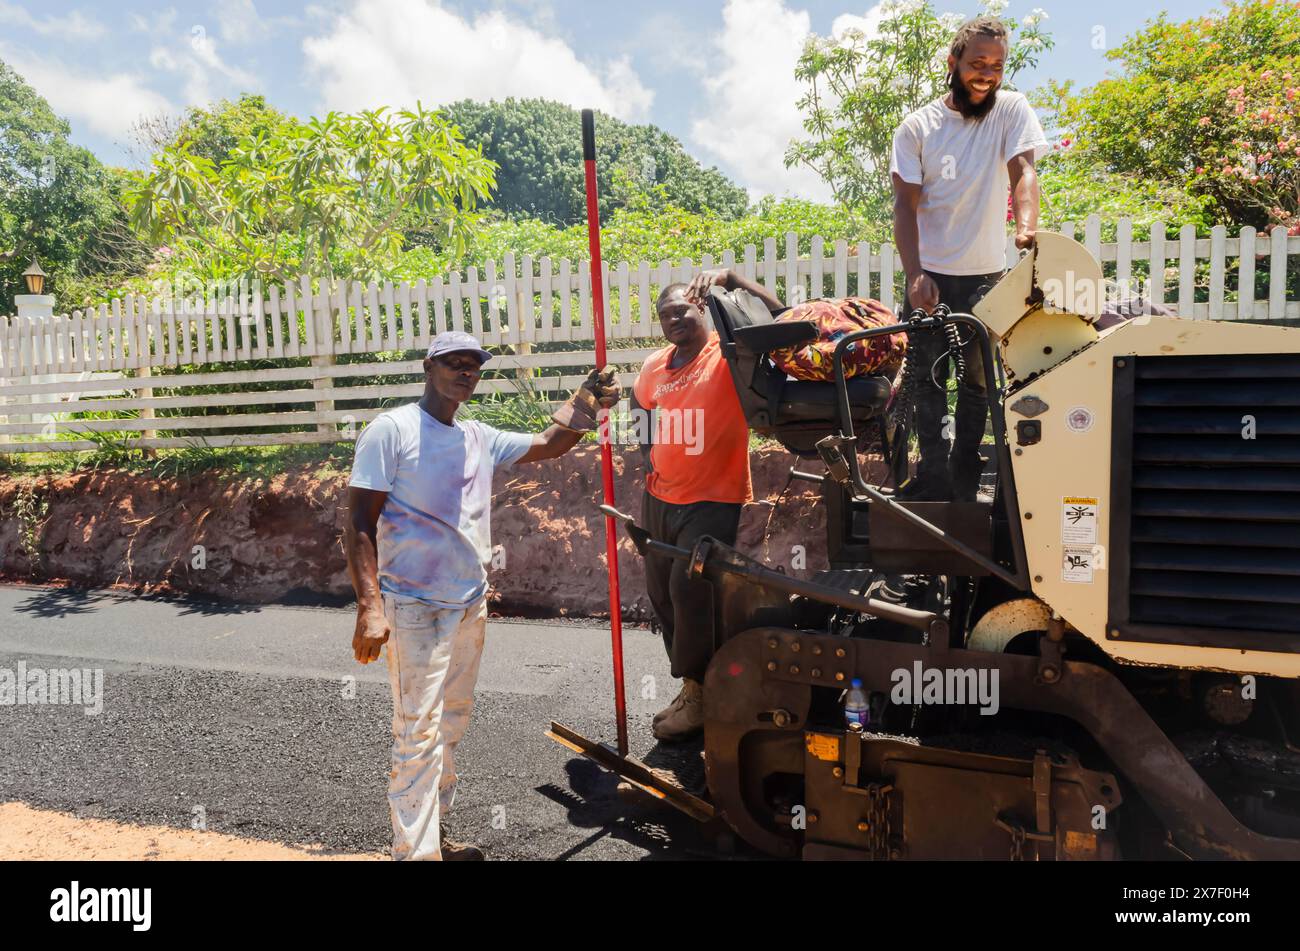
point(961, 98)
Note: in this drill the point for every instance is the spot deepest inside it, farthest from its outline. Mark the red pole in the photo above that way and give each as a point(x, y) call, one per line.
point(606, 455)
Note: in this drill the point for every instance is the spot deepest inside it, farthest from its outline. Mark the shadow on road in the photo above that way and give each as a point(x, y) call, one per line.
point(593, 802)
point(596, 801)
point(69, 601)
point(62, 602)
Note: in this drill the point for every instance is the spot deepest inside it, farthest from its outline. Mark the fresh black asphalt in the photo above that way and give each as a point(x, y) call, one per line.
point(245, 715)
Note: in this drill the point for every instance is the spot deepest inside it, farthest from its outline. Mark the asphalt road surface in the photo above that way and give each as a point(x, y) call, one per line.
point(247, 712)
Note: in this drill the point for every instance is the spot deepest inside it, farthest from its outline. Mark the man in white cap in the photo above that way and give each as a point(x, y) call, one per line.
point(418, 543)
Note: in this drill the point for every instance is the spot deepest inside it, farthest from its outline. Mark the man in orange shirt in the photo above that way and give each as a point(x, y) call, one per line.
point(697, 478)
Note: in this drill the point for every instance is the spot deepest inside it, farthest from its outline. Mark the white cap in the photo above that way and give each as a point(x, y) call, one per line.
point(451, 341)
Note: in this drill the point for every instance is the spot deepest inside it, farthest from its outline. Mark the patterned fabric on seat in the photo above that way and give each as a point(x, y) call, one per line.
point(834, 319)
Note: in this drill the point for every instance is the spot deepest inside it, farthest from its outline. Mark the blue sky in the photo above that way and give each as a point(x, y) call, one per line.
point(717, 75)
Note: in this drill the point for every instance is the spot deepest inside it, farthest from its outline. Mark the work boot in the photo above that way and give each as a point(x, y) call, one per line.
point(966, 478)
point(687, 719)
point(461, 852)
point(932, 488)
point(677, 700)
point(931, 482)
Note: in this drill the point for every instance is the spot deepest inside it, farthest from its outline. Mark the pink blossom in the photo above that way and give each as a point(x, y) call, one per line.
point(1205, 120)
point(1239, 108)
point(1200, 170)
point(1292, 93)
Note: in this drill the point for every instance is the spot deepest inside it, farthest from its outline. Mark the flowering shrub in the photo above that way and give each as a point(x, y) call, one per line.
point(1209, 103)
point(1259, 167)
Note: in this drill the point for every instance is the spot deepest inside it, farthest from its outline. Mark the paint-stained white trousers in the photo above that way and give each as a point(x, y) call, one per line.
point(433, 661)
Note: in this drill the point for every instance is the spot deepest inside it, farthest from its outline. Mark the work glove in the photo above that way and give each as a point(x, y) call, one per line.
point(599, 391)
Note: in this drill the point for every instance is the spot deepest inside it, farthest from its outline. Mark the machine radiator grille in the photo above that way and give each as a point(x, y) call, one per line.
point(1214, 498)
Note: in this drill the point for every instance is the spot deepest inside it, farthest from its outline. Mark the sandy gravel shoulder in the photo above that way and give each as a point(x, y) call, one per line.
point(39, 834)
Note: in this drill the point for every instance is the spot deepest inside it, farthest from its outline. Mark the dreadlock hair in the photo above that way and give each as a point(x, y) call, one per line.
point(980, 26)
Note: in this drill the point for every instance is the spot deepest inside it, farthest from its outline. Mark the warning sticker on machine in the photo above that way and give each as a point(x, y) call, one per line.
point(822, 746)
point(1077, 565)
point(1078, 521)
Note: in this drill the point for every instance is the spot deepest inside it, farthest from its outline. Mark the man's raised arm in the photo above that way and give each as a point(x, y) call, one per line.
point(730, 280)
point(579, 415)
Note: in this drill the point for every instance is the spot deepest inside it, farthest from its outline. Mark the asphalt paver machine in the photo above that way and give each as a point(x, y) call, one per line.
point(1099, 661)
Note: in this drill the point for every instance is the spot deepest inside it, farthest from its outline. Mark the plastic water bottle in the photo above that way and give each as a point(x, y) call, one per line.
point(856, 708)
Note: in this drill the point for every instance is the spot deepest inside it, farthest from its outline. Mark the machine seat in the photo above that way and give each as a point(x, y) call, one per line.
point(808, 400)
point(796, 412)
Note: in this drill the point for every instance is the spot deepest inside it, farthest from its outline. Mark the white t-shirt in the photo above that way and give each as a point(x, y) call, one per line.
point(435, 536)
point(961, 166)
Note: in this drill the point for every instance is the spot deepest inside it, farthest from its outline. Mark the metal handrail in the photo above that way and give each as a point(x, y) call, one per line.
point(1018, 577)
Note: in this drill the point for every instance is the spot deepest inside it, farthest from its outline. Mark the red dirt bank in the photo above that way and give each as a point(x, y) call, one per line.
point(267, 541)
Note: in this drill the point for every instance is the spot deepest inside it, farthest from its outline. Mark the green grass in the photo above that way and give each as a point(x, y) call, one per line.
point(526, 411)
point(325, 461)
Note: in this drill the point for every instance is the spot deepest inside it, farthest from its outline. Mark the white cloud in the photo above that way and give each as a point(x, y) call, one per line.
point(395, 52)
point(187, 55)
point(108, 103)
point(239, 21)
point(74, 25)
point(157, 23)
point(868, 25)
point(240, 24)
point(749, 114)
point(193, 61)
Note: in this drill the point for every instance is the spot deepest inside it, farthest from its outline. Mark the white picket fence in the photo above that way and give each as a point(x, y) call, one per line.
point(116, 357)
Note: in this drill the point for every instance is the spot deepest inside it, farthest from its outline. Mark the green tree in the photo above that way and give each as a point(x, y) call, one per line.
point(538, 145)
point(215, 131)
point(326, 197)
point(651, 230)
point(858, 89)
point(57, 201)
point(1209, 102)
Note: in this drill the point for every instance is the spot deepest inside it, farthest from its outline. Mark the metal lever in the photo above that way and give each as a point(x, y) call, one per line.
point(640, 537)
point(831, 449)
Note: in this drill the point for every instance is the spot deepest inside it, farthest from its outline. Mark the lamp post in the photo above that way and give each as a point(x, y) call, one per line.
point(34, 307)
point(35, 303)
point(34, 277)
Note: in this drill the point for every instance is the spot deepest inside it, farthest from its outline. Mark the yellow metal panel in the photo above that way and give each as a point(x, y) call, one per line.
point(1073, 462)
point(1069, 278)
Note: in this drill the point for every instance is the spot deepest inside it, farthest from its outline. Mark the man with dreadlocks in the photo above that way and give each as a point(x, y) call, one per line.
point(953, 161)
